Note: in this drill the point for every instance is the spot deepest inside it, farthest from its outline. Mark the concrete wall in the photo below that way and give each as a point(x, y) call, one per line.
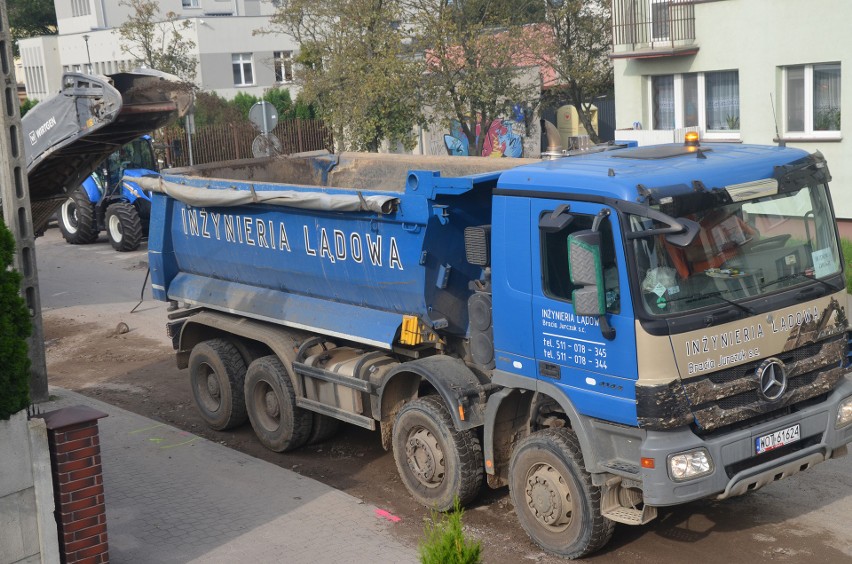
point(27, 526)
point(758, 38)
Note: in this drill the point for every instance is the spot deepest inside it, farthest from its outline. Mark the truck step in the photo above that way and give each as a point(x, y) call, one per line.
point(630, 516)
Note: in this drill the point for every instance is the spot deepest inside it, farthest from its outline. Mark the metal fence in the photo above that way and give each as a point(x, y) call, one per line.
point(226, 142)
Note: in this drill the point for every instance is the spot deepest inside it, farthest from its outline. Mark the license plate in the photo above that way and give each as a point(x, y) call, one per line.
point(777, 439)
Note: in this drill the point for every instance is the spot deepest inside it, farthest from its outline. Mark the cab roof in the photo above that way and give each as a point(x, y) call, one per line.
point(619, 173)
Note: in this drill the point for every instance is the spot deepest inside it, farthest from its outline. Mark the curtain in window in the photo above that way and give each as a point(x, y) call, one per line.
point(795, 98)
point(690, 100)
point(827, 97)
point(722, 100)
point(663, 102)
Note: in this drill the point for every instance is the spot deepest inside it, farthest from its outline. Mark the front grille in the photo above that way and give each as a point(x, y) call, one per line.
point(730, 396)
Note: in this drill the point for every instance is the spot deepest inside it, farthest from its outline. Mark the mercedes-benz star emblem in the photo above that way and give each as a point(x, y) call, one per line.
point(771, 379)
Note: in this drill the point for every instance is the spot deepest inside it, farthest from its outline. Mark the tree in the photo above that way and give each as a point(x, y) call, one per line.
point(473, 69)
point(14, 329)
point(30, 18)
point(354, 67)
point(577, 48)
point(157, 41)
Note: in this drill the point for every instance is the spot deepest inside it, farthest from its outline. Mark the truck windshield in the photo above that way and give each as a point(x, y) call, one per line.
point(743, 250)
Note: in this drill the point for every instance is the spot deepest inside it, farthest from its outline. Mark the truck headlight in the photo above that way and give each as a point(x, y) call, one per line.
point(844, 413)
point(690, 465)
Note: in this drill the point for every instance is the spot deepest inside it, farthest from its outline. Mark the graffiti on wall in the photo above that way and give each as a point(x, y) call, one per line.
point(503, 137)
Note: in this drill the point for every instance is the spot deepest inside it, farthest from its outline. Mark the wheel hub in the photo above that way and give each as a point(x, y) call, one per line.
point(271, 404)
point(548, 496)
point(425, 457)
point(213, 386)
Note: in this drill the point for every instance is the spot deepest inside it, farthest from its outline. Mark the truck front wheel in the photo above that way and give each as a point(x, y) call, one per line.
point(217, 373)
point(77, 219)
point(554, 498)
point(124, 226)
point(271, 401)
point(436, 462)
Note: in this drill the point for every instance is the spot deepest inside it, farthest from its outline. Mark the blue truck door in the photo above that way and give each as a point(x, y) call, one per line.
point(597, 374)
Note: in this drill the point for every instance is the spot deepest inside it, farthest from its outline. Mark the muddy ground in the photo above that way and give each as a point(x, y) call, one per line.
point(805, 518)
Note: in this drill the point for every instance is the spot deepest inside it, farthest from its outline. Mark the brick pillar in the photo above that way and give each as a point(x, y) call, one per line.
point(78, 487)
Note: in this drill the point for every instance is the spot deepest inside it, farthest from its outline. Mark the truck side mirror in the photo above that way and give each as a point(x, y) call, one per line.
point(586, 270)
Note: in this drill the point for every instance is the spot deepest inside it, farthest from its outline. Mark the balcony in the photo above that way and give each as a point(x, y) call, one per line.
point(644, 29)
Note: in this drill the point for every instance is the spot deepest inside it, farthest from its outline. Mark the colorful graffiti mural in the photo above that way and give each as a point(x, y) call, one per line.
point(503, 138)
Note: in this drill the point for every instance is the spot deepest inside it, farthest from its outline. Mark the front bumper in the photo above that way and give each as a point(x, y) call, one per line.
point(736, 467)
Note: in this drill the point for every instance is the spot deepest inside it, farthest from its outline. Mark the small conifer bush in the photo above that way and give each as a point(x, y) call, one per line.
point(444, 540)
point(14, 329)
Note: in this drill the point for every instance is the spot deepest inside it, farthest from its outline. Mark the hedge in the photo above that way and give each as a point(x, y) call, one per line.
point(14, 329)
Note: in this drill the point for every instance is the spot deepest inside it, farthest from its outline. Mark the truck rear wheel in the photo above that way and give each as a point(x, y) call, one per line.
point(124, 227)
point(77, 219)
point(217, 374)
point(271, 402)
point(323, 428)
point(436, 462)
point(554, 498)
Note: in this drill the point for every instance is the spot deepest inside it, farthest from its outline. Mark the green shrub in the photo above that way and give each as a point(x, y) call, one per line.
point(445, 543)
point(846, 246)
point(27, 105)
point(243, 102)
point(280, 98)
point(14, 330)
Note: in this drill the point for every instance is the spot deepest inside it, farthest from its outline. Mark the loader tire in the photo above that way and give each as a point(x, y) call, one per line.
point(77, 219)
point(271, 403)
point(217, 374)
point(124, 226)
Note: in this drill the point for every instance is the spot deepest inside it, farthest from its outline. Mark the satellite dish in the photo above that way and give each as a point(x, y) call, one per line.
point(264, 116)
point(266, 146)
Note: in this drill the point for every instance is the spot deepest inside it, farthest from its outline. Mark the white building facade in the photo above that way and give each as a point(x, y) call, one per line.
point(231, 57)
point(736, 70)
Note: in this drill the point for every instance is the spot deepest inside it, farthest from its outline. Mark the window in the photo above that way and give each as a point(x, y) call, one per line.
point(243, 69)
point(283, 66)
point(812, 99)
point(189, 3)
point(708, 100)
point(556, 281)
point(660, 20)
point(80, 8)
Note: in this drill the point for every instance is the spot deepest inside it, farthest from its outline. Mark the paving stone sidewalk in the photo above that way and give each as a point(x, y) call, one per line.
point(172, 496)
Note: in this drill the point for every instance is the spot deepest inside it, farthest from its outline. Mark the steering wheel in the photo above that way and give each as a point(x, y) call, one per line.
point(774, 242)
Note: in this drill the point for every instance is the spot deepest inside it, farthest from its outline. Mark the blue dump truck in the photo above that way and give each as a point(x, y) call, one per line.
point(604, 334)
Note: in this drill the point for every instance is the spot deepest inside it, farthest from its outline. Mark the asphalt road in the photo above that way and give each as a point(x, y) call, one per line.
point(806, 518)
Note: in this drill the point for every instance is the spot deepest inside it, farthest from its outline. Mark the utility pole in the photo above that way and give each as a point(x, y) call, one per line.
point(16, 207)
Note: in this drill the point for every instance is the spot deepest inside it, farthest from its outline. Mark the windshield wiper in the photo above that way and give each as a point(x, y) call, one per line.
point(832, 287)
point(718, 294)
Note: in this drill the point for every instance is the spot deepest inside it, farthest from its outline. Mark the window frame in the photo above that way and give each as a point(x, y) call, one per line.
point(701, 103)
point(190, 4)
point(283, 66)
point(808, 131)
point(547, 286)
point(239, 59)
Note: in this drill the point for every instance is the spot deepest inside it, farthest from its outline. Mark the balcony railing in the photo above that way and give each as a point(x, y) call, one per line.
point(652, 27)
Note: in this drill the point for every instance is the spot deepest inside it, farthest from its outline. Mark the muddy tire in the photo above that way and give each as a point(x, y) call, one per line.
point(435, 461)
point(123, 226)
point(553, 495)
point(324, 427)
point(77, 219)
point(217, 375)
point(271, 402)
